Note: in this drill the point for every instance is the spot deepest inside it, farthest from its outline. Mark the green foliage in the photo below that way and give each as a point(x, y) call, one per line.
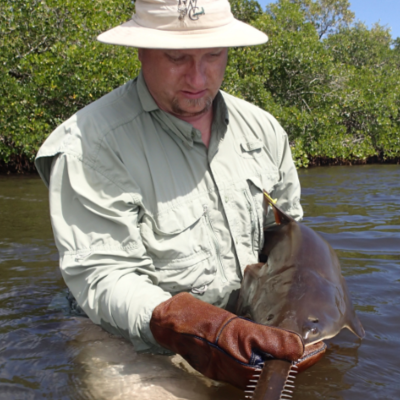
point(396, 44)
point(360, 46)
point(337, 97)
point(246, 11)
point(51, 66)
point(326, 15)
point(370, 102)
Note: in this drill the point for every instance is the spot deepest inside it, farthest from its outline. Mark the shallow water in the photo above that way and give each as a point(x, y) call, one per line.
point(47, 353)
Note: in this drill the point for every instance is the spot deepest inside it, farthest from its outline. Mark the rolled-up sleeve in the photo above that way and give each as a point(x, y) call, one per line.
point(287, 189)
point(102, 258)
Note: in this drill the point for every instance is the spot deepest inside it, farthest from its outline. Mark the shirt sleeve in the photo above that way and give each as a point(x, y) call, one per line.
point(287, 190)
point(102, 258)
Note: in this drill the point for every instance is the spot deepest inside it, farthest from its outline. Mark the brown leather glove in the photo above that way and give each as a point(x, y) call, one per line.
point(216, 342)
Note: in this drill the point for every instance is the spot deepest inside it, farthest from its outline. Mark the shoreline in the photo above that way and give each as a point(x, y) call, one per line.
point(329, 162)
point(28, 169)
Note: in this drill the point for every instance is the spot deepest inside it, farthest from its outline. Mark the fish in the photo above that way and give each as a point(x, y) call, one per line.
point(299, 287)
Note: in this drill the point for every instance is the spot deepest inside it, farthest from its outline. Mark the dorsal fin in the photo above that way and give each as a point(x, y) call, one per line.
point(280, 216)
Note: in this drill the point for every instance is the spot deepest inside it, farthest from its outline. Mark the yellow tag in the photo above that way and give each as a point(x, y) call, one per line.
point(270, 198)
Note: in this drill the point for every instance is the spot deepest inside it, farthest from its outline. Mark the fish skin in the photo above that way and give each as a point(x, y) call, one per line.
point(301, 287)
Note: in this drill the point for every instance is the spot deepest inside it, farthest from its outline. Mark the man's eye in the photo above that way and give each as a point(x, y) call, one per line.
point(175, 58)
point(215, 55)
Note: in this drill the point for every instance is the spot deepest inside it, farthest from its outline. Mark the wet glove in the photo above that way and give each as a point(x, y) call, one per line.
point(217, 343)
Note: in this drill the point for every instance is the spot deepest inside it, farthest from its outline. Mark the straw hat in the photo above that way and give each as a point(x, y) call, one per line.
point(183, 24)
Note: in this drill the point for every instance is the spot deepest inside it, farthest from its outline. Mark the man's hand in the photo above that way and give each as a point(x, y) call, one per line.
point(216, 342)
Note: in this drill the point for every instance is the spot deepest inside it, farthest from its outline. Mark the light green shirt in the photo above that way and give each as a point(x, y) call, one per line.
point(142, 210)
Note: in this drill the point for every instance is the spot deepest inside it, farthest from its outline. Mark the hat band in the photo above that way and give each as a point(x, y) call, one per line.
point(187, 15)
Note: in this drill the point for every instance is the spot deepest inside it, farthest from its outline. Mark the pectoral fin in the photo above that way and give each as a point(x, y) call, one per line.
point(354, 325)
point(253, 269)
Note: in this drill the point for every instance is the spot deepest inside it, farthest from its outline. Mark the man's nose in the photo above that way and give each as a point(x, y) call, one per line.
point(196, 75)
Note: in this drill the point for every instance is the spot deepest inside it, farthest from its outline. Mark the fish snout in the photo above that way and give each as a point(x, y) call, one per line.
point(311, 330)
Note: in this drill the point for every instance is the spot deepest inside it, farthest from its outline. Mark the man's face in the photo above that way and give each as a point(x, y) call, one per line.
point(184, 82)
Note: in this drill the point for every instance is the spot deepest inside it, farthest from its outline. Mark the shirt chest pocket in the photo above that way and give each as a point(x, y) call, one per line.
point(257, 213)
point(178, 242)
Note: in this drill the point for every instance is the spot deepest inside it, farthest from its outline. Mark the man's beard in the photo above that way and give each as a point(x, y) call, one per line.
point(206, 102)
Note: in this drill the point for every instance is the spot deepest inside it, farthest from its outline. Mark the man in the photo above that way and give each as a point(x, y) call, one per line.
point(156, 194)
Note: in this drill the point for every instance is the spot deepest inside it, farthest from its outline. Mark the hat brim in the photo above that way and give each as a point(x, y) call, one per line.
point(234, 34)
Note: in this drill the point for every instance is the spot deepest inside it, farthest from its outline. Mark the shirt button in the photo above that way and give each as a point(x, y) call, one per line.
point(197, 249)
point(226, 199)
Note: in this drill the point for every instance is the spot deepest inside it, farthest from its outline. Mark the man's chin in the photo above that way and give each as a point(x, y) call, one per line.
point(190, 113)
point(190, 108)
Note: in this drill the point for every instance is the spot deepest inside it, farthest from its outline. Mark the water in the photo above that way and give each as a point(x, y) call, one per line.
point(47, 353)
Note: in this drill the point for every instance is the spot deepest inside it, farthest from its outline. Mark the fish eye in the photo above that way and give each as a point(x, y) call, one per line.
point(270, 316)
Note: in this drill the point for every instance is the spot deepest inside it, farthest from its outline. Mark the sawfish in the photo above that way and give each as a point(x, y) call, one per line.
point(299, 288)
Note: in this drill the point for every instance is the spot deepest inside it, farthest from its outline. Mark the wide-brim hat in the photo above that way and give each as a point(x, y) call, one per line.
point(183, 24)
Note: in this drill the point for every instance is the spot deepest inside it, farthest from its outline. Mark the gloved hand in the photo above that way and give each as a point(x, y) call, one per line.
point(216, 342)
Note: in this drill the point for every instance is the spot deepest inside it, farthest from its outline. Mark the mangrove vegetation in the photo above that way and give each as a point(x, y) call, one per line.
point(332, 82)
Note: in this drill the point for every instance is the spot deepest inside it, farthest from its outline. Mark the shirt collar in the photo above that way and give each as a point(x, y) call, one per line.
point(181, 128)
point(221, 113)
point(146, 99)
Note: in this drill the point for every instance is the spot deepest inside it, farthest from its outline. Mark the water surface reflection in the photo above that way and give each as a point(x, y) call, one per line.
point(45, 352)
